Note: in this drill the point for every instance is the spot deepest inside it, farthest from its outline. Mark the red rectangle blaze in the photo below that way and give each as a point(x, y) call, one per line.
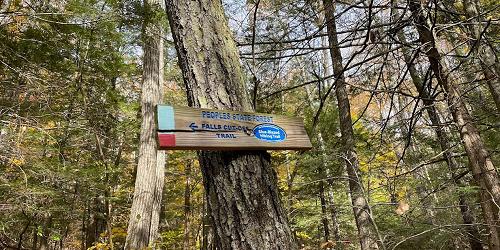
point(166, 140)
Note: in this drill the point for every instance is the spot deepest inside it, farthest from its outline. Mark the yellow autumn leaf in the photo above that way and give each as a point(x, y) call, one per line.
point(17, 162)
point(50, 125)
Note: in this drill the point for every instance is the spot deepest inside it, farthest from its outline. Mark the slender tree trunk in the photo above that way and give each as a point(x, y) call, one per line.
point(334, 215)
point(109, 225)
point(44, 242)
point(490, 217)
point(187, 207)
point(144, 215)
point(324, 216)
point(161, 156)
point(289, 182)
point(84, 227)
point(208, 236)
point(241, 186)
point(445, 144)
point(323, 172)
point(35, 237)
point(160, 180)
point(366, 228)
point(484, 51)
point(480, 162)
point(473, 235)
point(96, 215)
point(20, 241)
point(421, 175)
point(90, 228)
point(321, 175)
point(327, 70)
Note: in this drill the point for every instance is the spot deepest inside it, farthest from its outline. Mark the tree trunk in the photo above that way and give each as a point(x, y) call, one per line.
point(484, 51)
point(334, 215)
point(241, 186)
point(324, 216)
point(144, 215)
point(366, 228)
point(160, 180)
point(327, 71)
point(84, 227)
point(322, 170)
point(421, 174)
point(44, 242)
point(97, 224)
point(490, 217)
point(187, 207)
point(480, 162)
point(161, 156)
point(208, 233)
point(290, 185)
point(35, 237)
point(20, 241)
point(445, 144)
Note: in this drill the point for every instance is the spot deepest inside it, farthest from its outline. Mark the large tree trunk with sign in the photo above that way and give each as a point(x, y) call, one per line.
point(362, 214)
point(481, 164)
point(241, 187)
point(145, 212)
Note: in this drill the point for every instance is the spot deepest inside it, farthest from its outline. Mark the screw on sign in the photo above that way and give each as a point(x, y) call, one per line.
point(207, 129)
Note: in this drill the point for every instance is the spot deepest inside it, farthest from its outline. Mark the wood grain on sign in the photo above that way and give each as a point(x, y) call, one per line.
point(208, 129)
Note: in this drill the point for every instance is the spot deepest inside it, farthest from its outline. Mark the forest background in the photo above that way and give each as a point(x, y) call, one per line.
point(70, 87)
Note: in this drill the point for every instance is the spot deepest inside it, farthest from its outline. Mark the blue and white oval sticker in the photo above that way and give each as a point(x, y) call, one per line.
point(269, 133)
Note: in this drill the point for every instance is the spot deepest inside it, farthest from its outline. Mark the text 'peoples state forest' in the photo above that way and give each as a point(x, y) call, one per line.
point(236, 117)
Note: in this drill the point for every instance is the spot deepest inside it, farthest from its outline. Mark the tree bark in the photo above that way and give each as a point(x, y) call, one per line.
point(96, 213)
point(421, 175)
point(20, 241)
point(241, 187)
point(290, 185)
point(161, 156)
point(158, 195)
point(445, 144)
point(207, 230)
point(484, 51)
point(187, 207)
point(144, 215)
point(480, 162)
point(362, 214)
point(334, 215)
point(324, 216)
point(44, 242)
point(34, 244)
point(327, 71)
point(490, 217)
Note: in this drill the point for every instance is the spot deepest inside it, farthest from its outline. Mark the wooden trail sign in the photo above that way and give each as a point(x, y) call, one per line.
point(208, 129)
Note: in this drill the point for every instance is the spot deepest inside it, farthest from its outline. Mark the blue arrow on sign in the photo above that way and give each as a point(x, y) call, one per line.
point(193, 126)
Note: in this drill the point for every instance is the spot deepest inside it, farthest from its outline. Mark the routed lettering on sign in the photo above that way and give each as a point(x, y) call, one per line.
point(190, 128)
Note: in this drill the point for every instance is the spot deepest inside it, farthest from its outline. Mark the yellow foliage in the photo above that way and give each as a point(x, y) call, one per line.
point(119, 232)
point(50, 124)
point(402, 192)
point(363, 166)
point(17, 162)
point(99, 246)
point(303, 235)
